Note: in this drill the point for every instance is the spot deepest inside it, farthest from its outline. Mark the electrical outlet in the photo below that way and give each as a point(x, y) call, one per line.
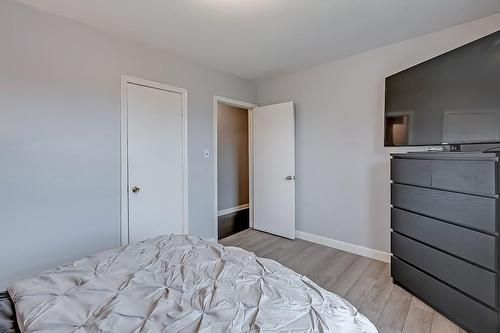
point(206, 154)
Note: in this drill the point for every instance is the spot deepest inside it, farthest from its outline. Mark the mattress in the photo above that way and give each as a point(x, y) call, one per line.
point(179, 284)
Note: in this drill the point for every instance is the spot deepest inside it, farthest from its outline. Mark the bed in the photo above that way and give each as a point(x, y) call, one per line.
point(7, 314)
point(179, 284)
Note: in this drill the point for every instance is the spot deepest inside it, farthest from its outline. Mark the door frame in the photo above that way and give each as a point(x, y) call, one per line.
point(124, 202)
point(249, 107)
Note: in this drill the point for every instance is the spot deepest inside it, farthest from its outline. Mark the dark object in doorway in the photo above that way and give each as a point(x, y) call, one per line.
point(232, 223)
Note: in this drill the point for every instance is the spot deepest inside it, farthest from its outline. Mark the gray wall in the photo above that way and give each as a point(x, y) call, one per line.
point(342, 167)
point(232, 156)
point(60, 136)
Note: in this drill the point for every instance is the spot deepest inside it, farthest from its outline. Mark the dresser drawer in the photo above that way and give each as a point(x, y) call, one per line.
point(464, 209)
point(465, 243)
point(468, 313)
point(410, 171)
point(472, 280)
point(477, 177)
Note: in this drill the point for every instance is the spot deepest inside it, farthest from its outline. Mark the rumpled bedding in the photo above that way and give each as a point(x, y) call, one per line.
point(179, 284)
point(7, 316)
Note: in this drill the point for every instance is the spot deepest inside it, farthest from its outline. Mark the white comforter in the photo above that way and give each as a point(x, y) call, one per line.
point(179, 284)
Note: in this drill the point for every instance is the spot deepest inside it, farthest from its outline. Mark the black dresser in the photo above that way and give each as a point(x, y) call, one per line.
point(444, 239)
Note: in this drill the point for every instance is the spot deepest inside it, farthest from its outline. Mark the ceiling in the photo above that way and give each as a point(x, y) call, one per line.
point(257, 39)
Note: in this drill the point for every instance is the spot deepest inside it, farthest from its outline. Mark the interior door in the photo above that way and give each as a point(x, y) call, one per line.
point(155, 162)
point(273, 148)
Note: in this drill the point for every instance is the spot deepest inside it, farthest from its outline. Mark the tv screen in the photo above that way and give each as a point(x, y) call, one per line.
point(451, 99)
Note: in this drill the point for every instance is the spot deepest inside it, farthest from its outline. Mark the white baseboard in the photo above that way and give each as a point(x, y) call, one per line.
point(232, 210)
point(344, 246)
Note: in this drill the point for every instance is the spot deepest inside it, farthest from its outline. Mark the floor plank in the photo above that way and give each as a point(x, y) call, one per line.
point(336, 269)
point(442, 325)
point(350, 276)
point(376, 299)
point(365, 282)
point(419, 318)
point(310, 259)
point(396, 309)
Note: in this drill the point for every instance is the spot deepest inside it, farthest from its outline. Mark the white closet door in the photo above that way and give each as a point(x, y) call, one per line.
point(274, 169)
point(155, 162)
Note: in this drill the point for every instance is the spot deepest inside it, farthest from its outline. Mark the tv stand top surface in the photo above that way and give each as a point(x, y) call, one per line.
point(448, 152)
point(447, 155)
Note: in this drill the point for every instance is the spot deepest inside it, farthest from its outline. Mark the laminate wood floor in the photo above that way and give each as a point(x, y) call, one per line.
point(364, 282)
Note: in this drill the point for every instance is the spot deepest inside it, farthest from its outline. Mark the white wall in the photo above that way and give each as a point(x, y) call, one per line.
point(342, 166)
point(60, 136)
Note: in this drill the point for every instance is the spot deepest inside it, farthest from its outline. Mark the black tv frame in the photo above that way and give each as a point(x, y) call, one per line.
point(455, 146)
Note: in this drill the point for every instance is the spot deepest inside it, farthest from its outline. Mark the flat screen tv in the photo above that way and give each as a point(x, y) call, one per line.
point(451, 99)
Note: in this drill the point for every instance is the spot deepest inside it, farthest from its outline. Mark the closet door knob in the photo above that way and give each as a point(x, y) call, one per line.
point(290, 177)
point(136, 189)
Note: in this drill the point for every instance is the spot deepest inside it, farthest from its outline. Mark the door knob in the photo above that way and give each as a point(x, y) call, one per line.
point(136, 189)
point(290, 177)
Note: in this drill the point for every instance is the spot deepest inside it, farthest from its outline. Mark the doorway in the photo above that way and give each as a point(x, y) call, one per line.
point(269, 135)
point(233, 168)
point(154, 160)
point(232, 159)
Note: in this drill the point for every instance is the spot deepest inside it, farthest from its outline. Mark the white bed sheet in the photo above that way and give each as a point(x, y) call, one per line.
point(179, 284)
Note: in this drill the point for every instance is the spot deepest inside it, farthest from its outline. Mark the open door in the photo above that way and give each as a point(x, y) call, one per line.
point(274, 169)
